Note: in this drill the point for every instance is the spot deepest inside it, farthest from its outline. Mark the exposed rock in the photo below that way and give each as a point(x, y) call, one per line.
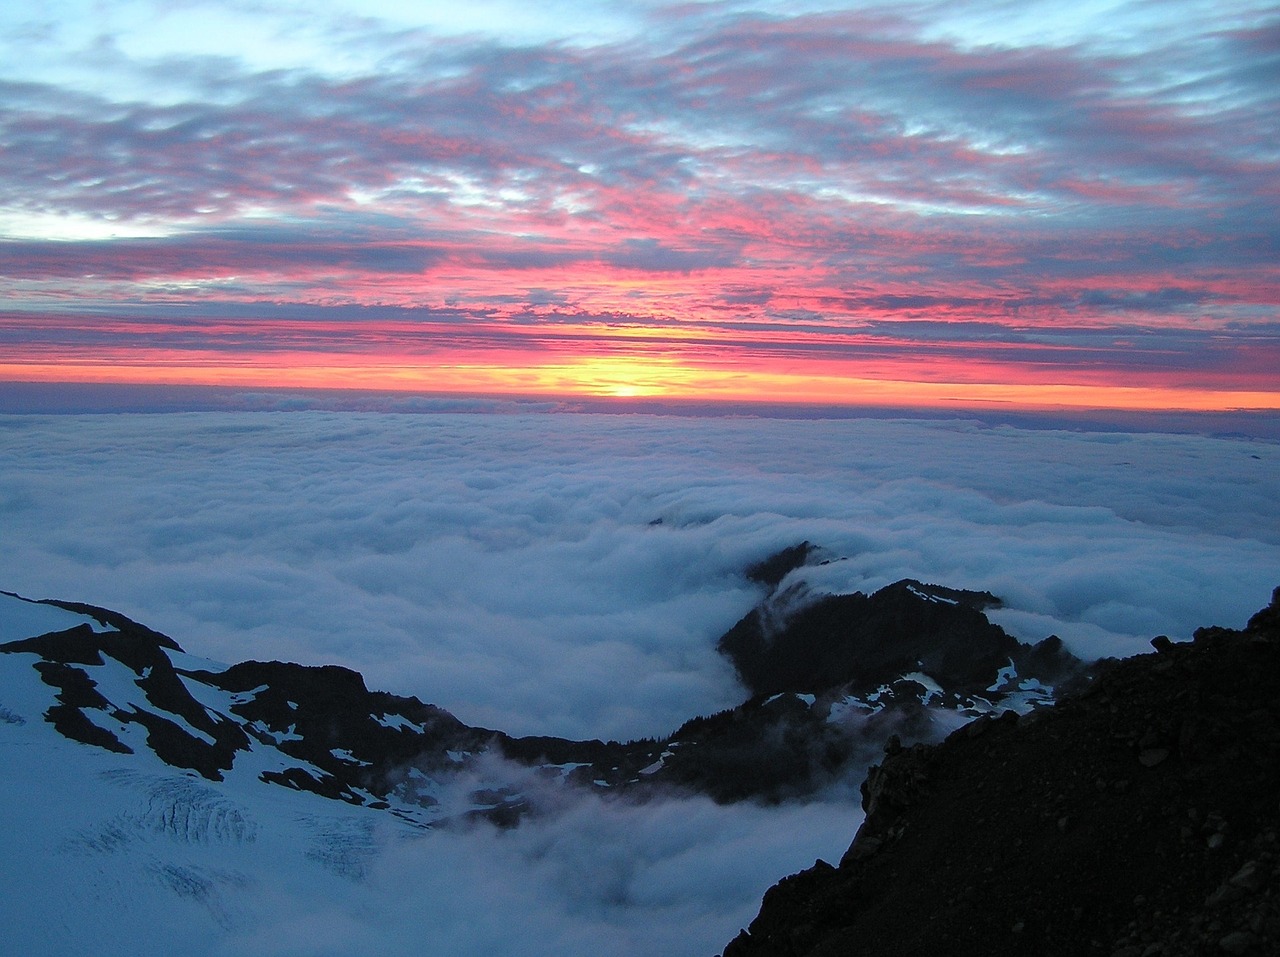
point(770, 571)
point(912, 660)
point(805, 643)
point(1025, 824)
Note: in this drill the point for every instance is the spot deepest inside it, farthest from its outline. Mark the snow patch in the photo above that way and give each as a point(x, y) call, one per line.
point(398, 722)
point(1004, 676)
point(808, 699)
point(937, 599)
point(119, 685)
point(289, 734)
point(931, 688)
point(848, 707)
point(23, 618)
point(345, 754)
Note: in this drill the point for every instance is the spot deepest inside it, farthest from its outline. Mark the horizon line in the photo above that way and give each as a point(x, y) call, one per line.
point(42, 397)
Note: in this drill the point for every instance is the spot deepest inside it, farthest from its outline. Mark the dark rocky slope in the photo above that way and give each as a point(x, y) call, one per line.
point(1137, 818)
point(832, 676)
point(801, 643)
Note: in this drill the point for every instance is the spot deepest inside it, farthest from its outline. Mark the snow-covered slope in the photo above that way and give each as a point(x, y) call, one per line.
point(105, 681)
point(108, 852)
point(158, 802)
point(832, 676)
point(120, 853)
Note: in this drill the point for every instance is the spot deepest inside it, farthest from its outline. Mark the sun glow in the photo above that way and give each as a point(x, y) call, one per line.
point(623, 377)
point(686, 376)
point(812, 205)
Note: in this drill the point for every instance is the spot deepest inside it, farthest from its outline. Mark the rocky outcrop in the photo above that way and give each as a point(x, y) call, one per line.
point(809, 643)
point(1138, 817)
point(833, 677)
point(178, 728)
point(324, 715)
point(770, 571)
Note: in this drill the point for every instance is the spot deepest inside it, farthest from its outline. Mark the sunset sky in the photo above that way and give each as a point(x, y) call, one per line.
point(974, 203)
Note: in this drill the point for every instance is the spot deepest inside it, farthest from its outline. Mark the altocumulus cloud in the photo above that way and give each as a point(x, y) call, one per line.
point(568, 574)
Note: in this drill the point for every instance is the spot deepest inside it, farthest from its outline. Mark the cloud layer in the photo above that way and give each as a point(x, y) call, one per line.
point(552, 573)
point(569, 574)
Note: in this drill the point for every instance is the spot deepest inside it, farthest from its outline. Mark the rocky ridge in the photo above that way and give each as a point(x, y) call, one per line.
point(1138, 817)
point(831, 677)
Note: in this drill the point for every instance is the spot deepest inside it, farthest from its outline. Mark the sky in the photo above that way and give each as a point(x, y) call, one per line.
point(982, 204)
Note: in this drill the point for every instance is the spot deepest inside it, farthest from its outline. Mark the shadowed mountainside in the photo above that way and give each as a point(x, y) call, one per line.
point(831, 678)
point(1136, 818)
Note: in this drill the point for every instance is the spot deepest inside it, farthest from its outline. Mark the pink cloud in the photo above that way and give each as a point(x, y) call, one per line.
point(807, 176)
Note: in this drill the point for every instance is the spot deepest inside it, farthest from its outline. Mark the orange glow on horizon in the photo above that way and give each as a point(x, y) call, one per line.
point(899, 383)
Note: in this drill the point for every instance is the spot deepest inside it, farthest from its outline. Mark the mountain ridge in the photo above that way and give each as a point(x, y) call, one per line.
point(1136, 817)
point(330, 735)
point(133, 696)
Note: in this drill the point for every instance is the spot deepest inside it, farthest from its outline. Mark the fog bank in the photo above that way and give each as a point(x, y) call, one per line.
point(568, 574)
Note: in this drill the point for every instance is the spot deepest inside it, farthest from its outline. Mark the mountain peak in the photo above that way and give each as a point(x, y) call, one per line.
point(862, 641)
point(1136, 817)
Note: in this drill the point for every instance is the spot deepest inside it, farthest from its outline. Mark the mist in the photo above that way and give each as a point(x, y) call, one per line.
point(598, 878)
point(569, 574)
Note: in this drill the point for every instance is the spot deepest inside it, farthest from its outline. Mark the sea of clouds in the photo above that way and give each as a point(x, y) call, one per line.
point(569, 574)
point(665, 879)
